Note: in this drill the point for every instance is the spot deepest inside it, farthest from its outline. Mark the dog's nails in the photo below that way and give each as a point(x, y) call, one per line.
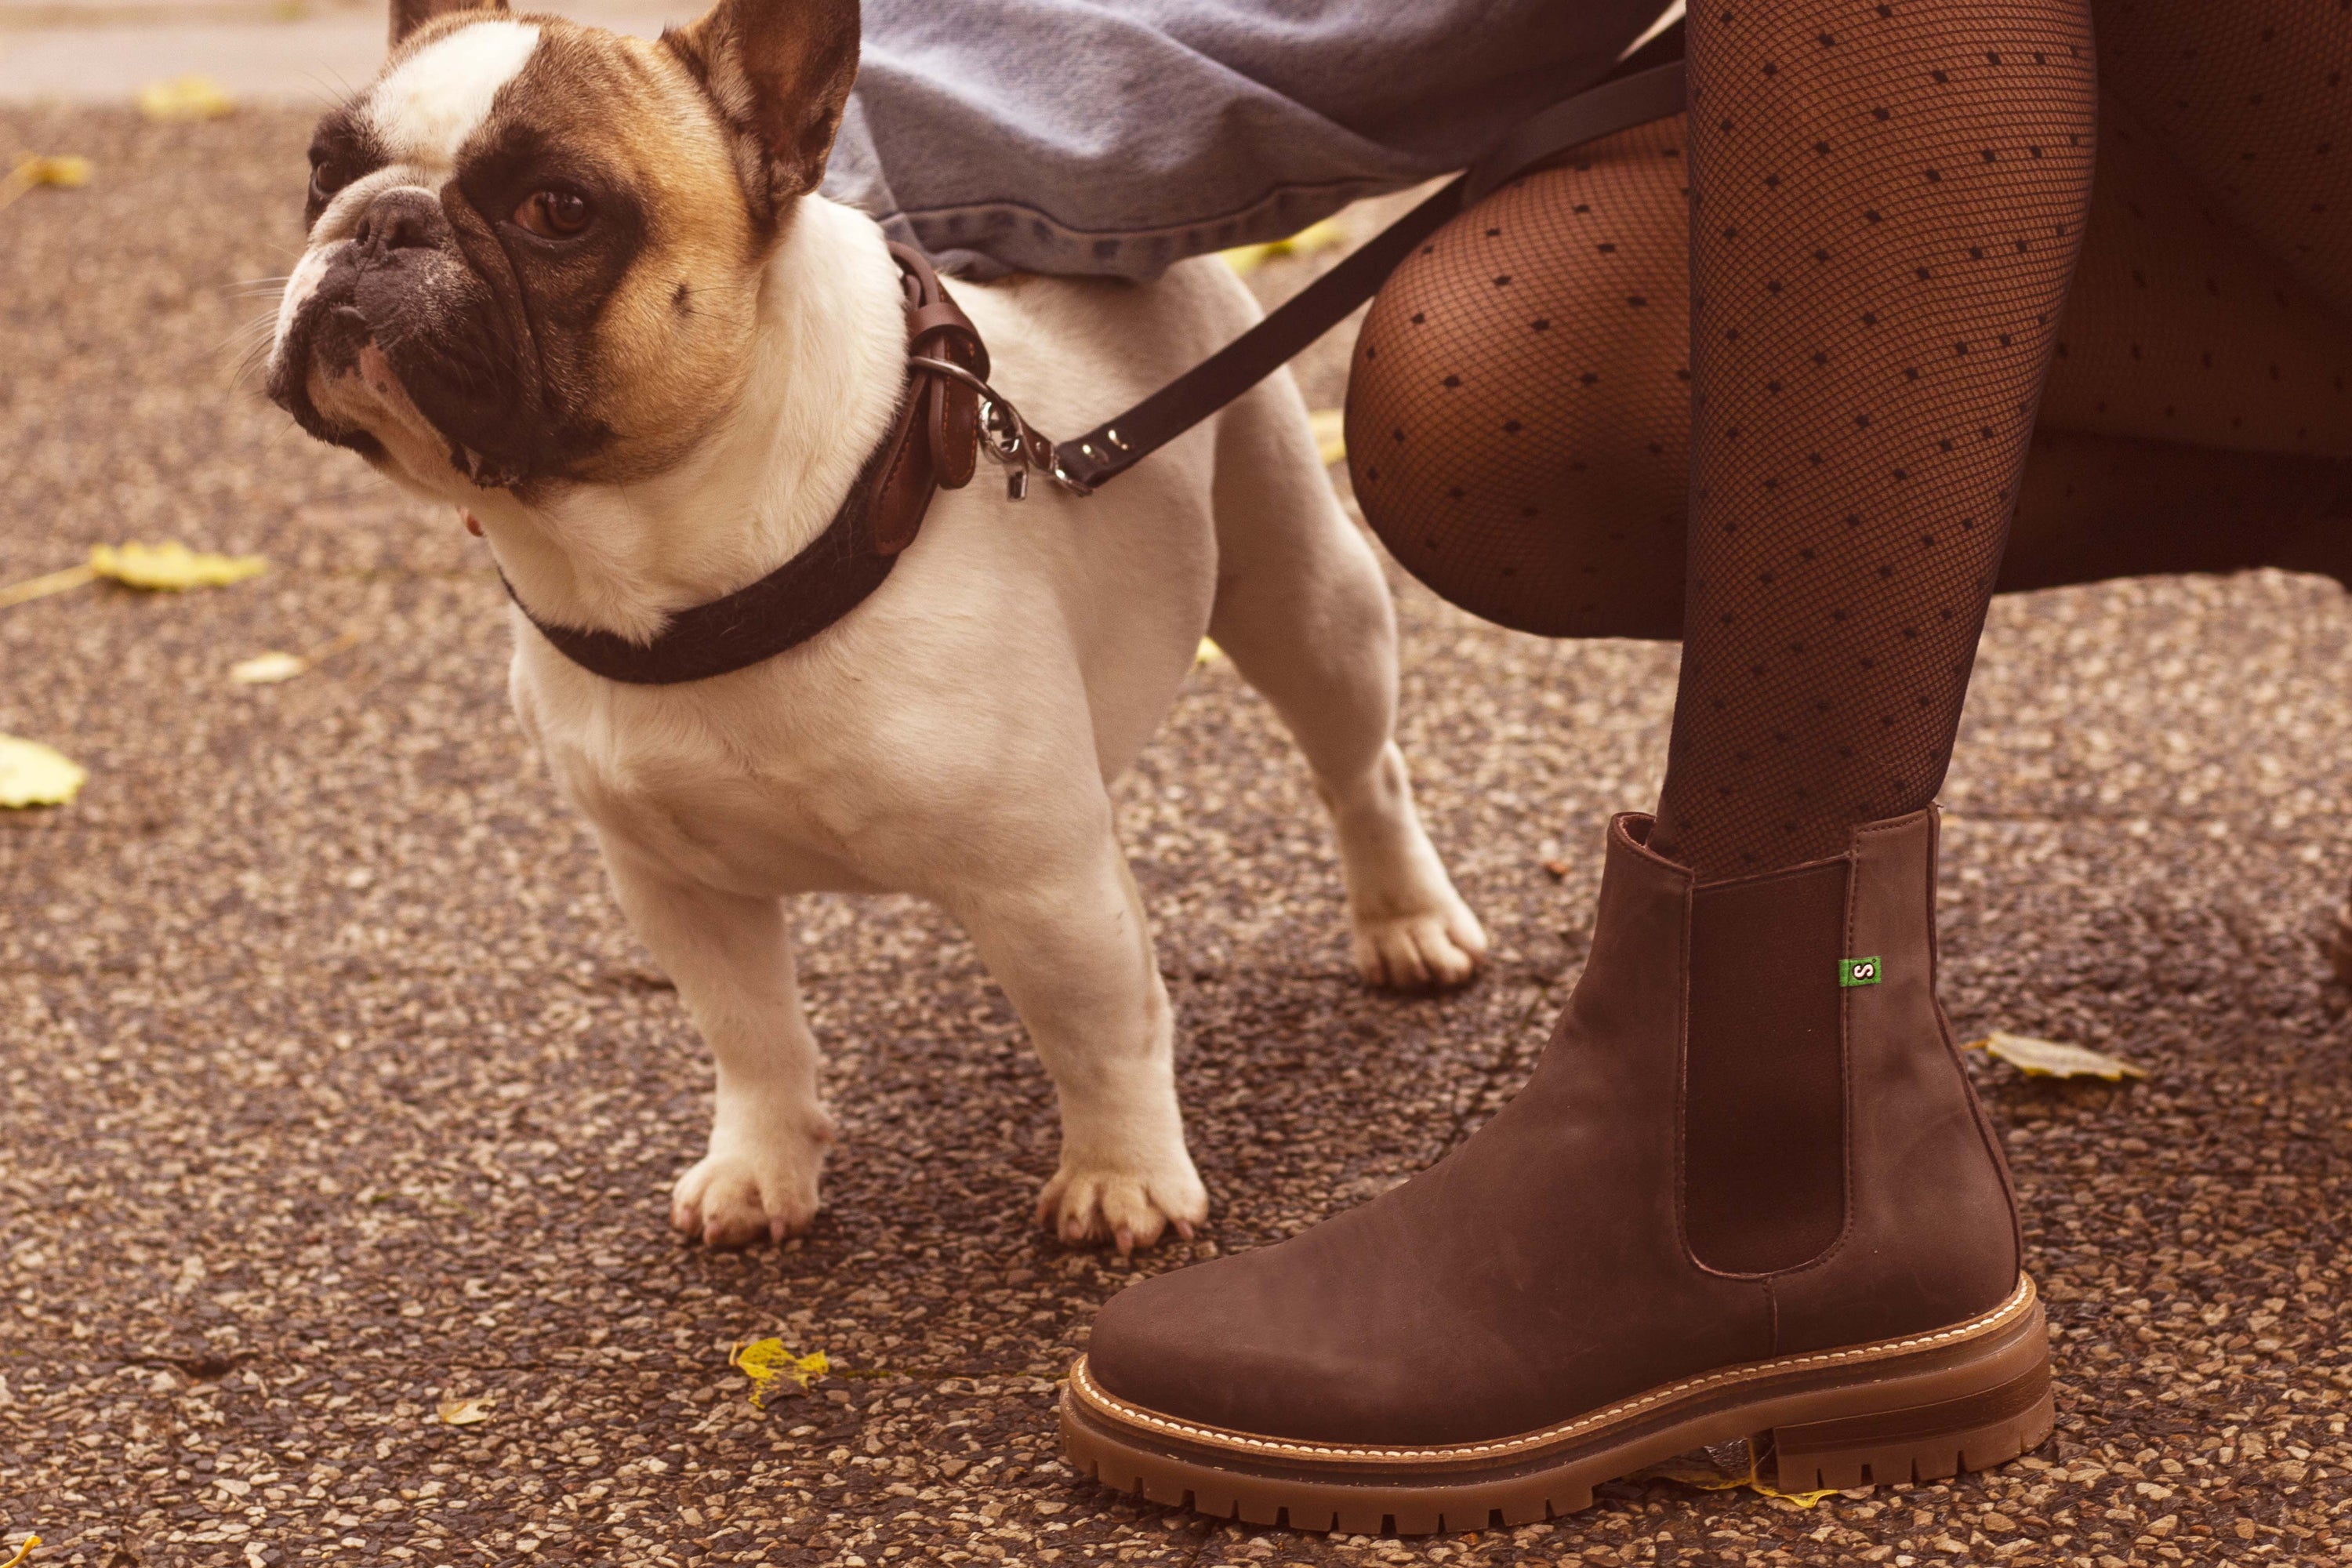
point(473, 524)
point(1126, 1238)
point(776, 1230)
point(1184, 1229)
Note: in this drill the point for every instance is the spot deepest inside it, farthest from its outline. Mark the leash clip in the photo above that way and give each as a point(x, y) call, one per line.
point(1005, 436)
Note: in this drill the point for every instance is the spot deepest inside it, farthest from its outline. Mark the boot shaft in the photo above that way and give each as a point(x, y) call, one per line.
point(1827, 1144)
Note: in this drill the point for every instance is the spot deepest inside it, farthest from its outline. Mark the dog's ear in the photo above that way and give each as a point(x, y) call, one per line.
point(407, 16)
point(779, 72)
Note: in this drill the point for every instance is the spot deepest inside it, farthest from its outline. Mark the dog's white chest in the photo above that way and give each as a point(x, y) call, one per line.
point(756, 806)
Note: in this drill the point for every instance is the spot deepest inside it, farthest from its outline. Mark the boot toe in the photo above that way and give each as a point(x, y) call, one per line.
point(1182, 1345)
point(1300, 1340)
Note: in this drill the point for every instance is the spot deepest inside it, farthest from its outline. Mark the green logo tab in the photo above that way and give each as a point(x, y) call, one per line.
point(1857, 972)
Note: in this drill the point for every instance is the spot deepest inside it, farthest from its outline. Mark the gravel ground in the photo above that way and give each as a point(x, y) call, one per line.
point(332, 1086)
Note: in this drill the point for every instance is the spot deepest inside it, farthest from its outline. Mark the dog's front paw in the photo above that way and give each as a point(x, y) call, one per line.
point(1129, 1202)
point(752, 1185)
point(1439, 945)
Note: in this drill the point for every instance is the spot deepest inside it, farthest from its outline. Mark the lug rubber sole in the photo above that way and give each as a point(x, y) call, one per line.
point(1922, 1407)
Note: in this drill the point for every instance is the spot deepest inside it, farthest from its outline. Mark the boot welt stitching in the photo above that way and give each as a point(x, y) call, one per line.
point(1082, 1383)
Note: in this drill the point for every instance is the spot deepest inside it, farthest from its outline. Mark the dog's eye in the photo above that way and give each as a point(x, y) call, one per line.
point(555, 215)
point(326, 177)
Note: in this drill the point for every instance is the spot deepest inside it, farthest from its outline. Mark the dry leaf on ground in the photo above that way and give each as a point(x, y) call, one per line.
point(269, 669)
point(1328, 235)
point(34, 774)
point(171, 567)
point(2054, 1058)
point(766, 1361)
point(48, 583)
point(1702, 1470)
point(464, 1412)
point(185, 98)
point(33, 170)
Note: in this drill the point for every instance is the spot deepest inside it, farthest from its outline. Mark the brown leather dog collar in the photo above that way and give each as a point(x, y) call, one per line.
point(933, 444)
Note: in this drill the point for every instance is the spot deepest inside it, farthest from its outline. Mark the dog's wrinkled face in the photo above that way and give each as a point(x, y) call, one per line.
point(535, 247)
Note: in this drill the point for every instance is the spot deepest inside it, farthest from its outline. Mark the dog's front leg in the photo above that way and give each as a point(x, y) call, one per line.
point(731, 958)
point(1067, 941)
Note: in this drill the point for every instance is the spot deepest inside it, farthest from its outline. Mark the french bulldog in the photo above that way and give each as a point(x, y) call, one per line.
point(580, 286)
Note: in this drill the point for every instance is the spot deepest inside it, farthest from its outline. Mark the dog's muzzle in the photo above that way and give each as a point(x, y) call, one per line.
point(405, 282)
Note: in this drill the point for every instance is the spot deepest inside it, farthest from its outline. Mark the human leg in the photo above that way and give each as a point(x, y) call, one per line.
point(1882, 231)
point(2252, 98)
point(2196, 417)
point(1749, 1155)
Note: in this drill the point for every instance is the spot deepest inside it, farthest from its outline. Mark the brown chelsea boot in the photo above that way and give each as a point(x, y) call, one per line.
point(1748, 1193)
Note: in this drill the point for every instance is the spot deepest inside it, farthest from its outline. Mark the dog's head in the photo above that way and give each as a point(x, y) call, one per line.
point(535, 247)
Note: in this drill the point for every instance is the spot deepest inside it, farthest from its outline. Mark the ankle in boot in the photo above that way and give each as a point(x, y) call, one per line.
point(1748, 1193)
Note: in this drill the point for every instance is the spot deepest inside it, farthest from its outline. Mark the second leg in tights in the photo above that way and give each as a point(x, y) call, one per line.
point(2198, 416)
point(1746, 1189)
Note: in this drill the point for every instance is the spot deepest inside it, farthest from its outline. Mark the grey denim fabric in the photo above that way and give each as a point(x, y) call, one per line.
point(1120, 136)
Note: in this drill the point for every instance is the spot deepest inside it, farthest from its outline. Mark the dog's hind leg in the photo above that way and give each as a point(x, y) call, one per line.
point(1061, 928)
point(1303, 611)
point(731, 958)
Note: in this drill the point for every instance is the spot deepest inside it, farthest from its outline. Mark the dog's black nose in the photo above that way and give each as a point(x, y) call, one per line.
point(403, 218)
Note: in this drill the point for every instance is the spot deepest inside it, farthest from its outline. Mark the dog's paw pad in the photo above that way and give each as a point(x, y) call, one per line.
point(1087, 1206)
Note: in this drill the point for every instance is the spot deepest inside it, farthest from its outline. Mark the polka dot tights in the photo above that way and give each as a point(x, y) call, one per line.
point(1836, 409)
point(1886, 205)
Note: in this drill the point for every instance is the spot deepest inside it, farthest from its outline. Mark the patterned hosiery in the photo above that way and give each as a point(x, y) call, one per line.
point(1522, 444)
point(2251, 97)
point(1886, 205)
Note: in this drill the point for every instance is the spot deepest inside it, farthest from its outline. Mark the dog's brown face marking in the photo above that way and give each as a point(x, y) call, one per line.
point(536, 248)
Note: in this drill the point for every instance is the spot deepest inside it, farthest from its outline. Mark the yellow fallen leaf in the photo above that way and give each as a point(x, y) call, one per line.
point(1207, 653)
point(23, 1551)
point(33, 170)
point(464, 1412)
point(171, 567)
point(66, 172)
point(41, 587)
point(185, 98)
point(1707, 1477)
point(2054, 1058)
point(34, 774)
point(1327, 235)
point(1331, 434)
point(764, 1361)
point(267, 668)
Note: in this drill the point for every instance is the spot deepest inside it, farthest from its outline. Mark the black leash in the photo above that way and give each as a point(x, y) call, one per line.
point(1638, 93)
